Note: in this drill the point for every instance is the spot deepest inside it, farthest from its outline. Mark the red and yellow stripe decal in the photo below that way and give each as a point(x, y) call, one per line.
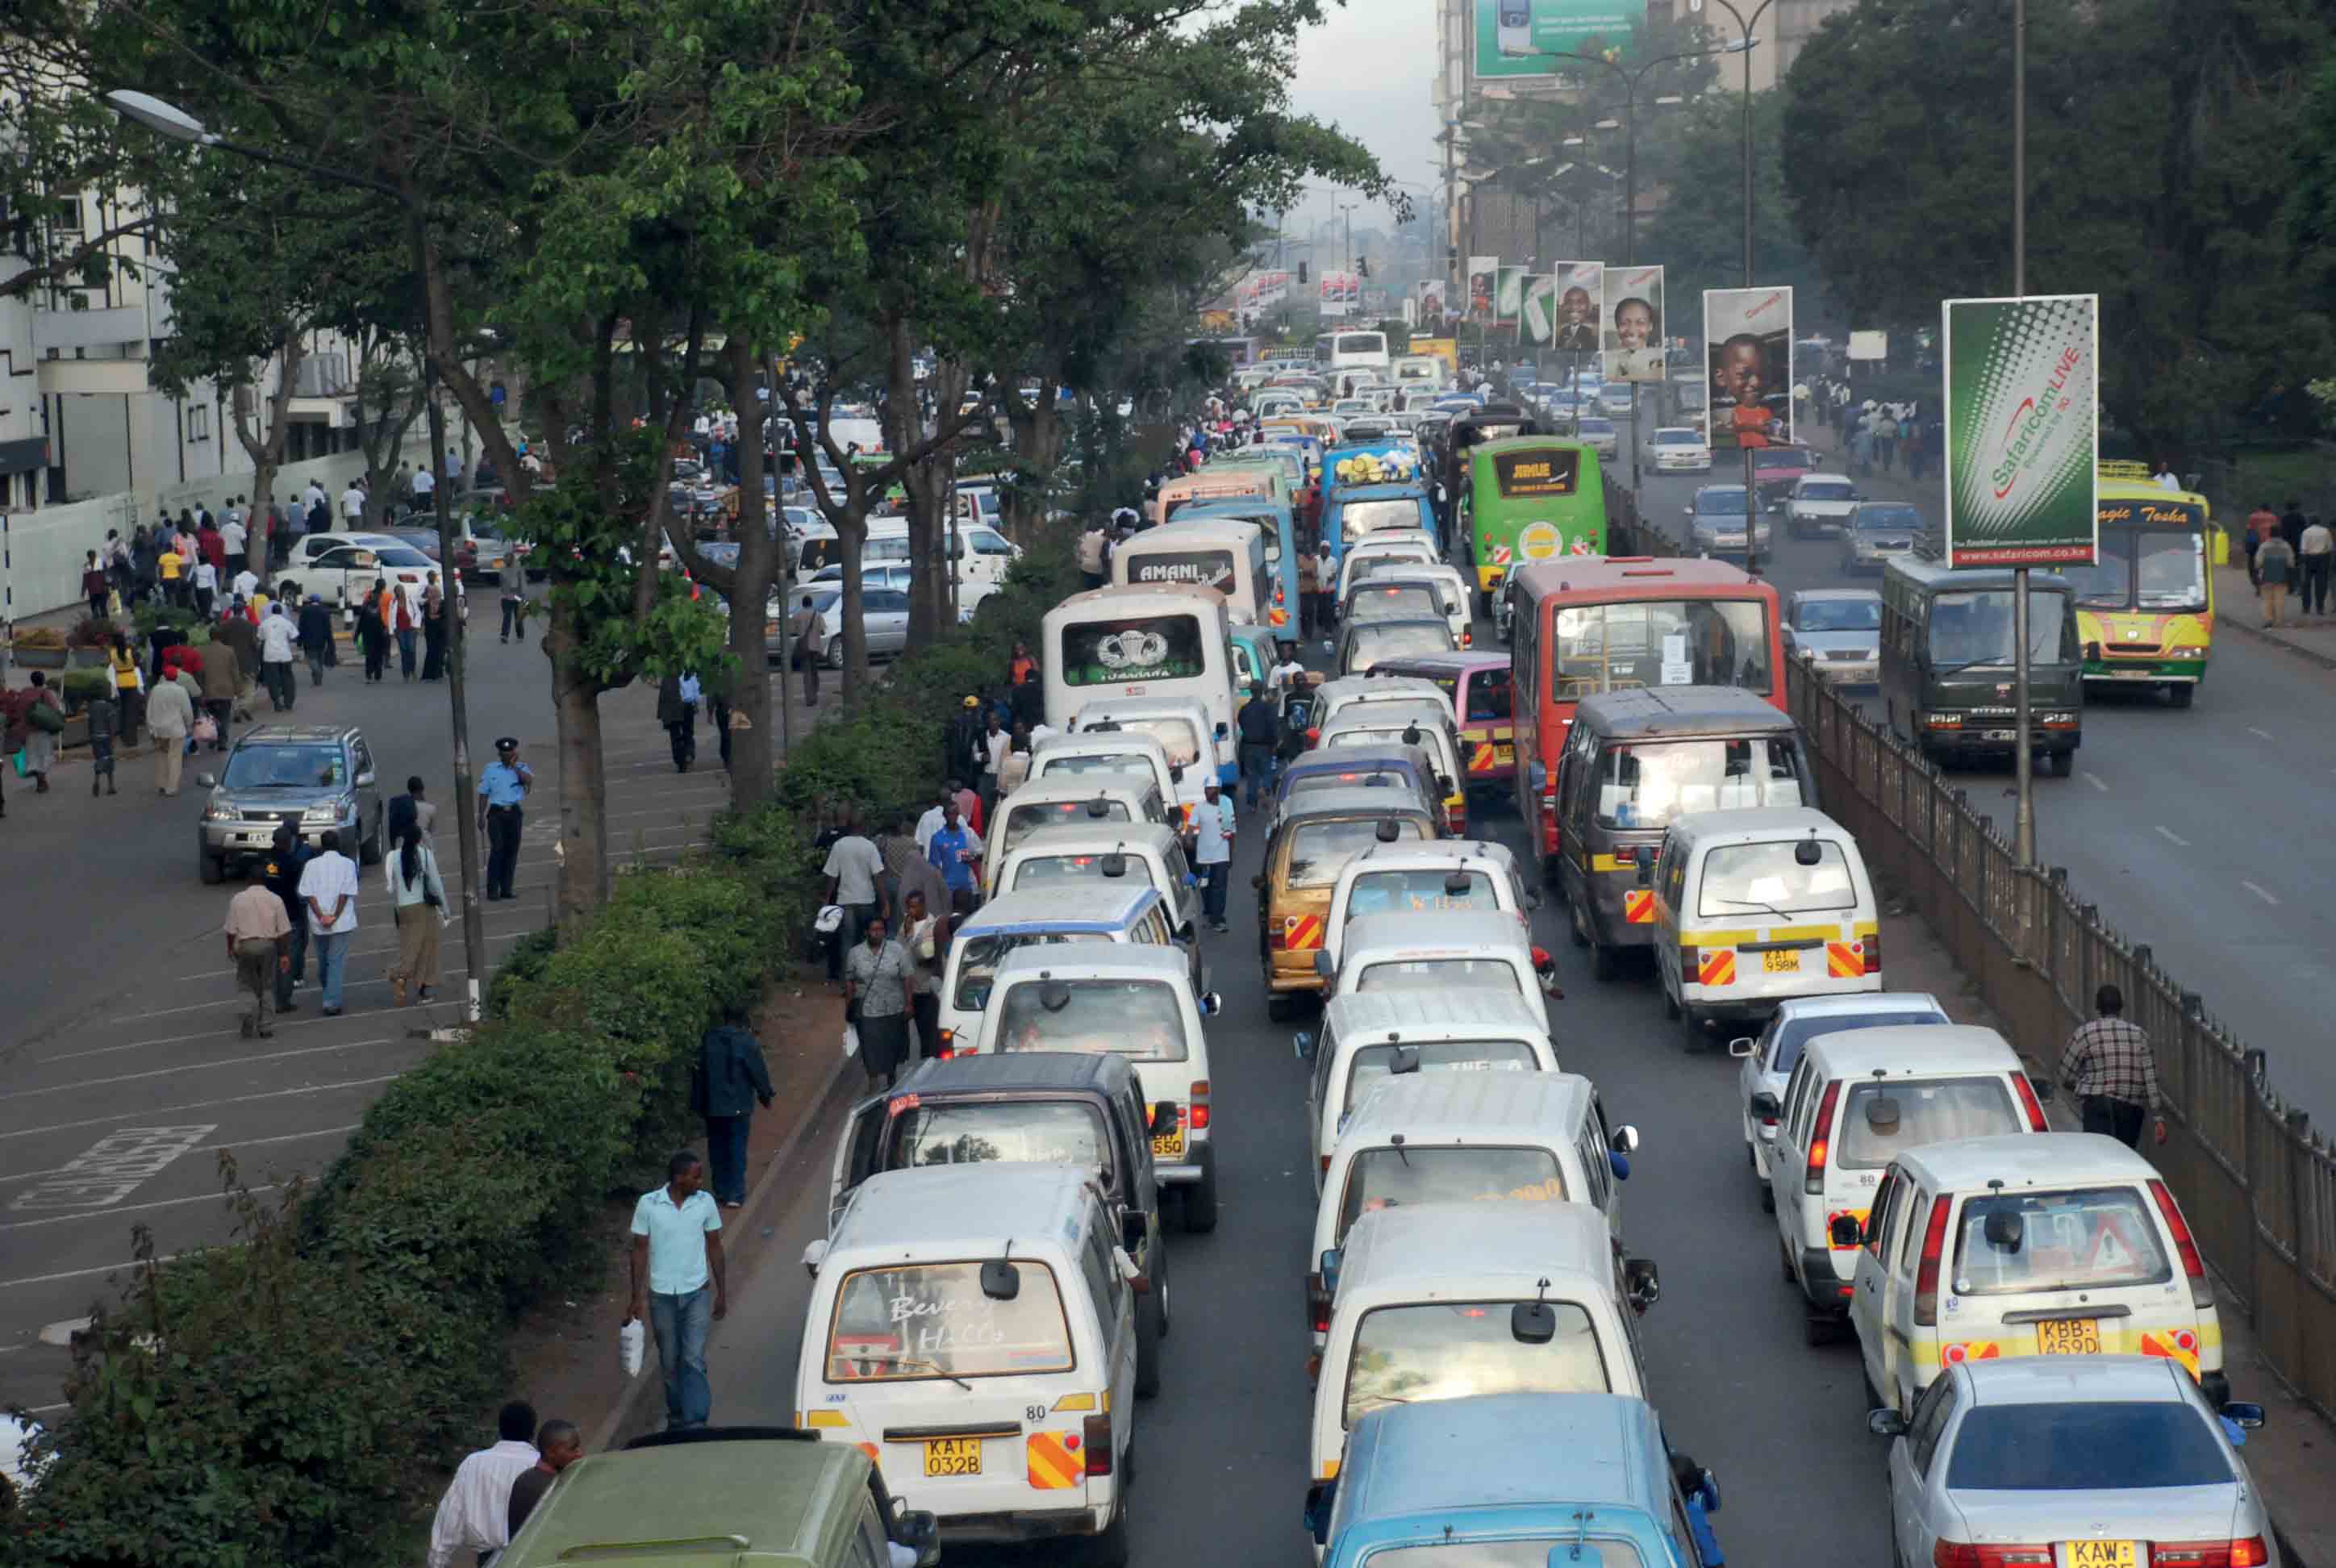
point(1052, 1467)
point(1715, 968)
point(1480, 757)
point(1845, 961)
point(1639, 907)
point(2174, 1344)
point(1969, 1350)
point(1301, 931)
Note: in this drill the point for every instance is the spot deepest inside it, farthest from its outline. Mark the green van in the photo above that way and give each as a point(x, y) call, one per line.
point(732, 1496)
point(1949, 662)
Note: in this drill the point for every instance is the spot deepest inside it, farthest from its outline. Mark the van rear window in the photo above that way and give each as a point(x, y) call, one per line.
point(979, 956)
point(910, 1321)
point(1391, 1178)
point(1769, 878)
point(1044, 870)
point(1439, 975)
point(1318, 851)
point(1455, 1350)
point(1370, 1064)
point(976, 1132)
point(1118, 762)
point(1930, 1111)
point(1646, 785)
point(1022, 819)
point(2083, 1238)
point(1423, 892)
point(1141, 1019)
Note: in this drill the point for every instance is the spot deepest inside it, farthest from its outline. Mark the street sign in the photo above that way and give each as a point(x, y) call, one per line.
point(2023, 435)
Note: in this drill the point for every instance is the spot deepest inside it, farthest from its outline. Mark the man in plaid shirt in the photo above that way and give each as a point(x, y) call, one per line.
point(2110, 1072)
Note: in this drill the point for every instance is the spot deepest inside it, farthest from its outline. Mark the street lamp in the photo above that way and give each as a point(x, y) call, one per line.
point(168, 119)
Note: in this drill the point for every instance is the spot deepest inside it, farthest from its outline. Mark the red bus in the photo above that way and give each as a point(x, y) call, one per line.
point(1580, 627)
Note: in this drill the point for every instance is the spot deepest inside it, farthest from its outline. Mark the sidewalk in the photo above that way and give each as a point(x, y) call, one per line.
point(2236, 606)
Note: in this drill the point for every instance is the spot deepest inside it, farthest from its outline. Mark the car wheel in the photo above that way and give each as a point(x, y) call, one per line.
point(1109, 1549)
point(209, 867)
point(1671, 1005)
point(1605, 962)
point(1199, 1200)
point(1691, 1031)
point(835, 653)
point(1279, 1007)
point(2182, 695)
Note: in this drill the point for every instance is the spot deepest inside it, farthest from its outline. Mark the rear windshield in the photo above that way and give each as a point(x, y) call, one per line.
point(1391, 1177)
point(1409, 1355)
point(1597, 1552)
point(909, 1321)
point(1177, 737)
point(1395, 600)
point(1421, 891)
point(1387, 560)
point(1795, 1033)
point(2120, 1446)
point(1121, 761)
point(978, 956)
point(2085, 1238)
point(1930, 1111)
point(1825, 490)
point(1438, 974)
point(1041, 871)
point(1769, 879)
point(1370, 1064)
point(974, 1131)
point(1318, 851)
point(1369, 516)
point(1021, 820)
point(1142, 1020)
point(1646, 785)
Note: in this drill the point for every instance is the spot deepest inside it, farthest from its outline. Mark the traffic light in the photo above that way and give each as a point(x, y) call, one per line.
point(1362, 267)
point(1301, 272)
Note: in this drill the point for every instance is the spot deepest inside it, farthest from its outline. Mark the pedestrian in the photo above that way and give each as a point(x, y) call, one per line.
point(954, 849)
point(2109, 1070)
point(222, 683)
point(405, 613)
point(236, 631)
point(96, 587)
point(729, 1080)
point(996, 743)
point(925, 934)
point(1289, 672)
point(315, 634)
point(931, 823)
point(1209, 833)
point(373, 631)
point(965, 752)
point(557, 1445)
point(1259, 724)
point(279, 640)
point(40, 742)
point(1091, 543)
point(434, 631)
point(206, 580)
point(170, 571)
point(855, 872)
point(169, 719)
point(717, 688)
point(474, 1515)
point(353, 506)
point(807, 634)
point(2262, 523)
point(288, 857)
point(259, 944)
point(418, 896)
point(2275, 567)
point(876, 980)
point(2164, 477)
point(1325, 595)
point(680, 1284)
point(504, 785)
point(1015, 770)
point(969, 806)
point(907, 870)
point(104, 720)
point(129, 685)
point(1020, 666)
point(234, 537)
point(1310, 583)
point(2314, 553)
point(413, 807)
point(514, 581)
point(328, 886)
point(676, 710)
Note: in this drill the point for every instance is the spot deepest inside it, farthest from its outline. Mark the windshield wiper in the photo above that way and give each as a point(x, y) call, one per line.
point(929, 1365)
point(1755, 904)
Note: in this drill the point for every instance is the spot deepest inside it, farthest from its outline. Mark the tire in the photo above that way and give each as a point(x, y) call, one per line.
point(1199, 1200)
point(1109, 1549)
point(1148, 1335)
point(1671, 1005)
point(2062, 763)
point(1784, 1258)
point(1691, 1031)
point(835, 655)
point(1160, 1291)
point(2182, 695)
point(1816, 1329)
point(1605, 962)
point(1278, 1007)
point(209, 867)
point(369, 851)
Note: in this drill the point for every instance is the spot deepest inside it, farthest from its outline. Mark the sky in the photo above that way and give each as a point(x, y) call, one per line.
point(1368, 70)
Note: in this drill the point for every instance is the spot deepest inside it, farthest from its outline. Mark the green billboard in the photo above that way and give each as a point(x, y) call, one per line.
point(2022, 429)
point(1513, 37)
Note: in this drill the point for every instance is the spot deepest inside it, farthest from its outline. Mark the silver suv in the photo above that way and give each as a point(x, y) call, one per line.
point(321, 778)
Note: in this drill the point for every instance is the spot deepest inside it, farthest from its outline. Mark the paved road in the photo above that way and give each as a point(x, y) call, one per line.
point(2194, 830)
point(124, 1078)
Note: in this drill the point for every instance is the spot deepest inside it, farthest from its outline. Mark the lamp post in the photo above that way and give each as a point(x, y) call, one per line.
point(169, 120)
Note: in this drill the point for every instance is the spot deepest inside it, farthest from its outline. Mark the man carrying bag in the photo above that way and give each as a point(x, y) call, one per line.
point(807, 632)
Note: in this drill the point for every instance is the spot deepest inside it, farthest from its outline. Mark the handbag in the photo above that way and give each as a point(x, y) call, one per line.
point(206, 730)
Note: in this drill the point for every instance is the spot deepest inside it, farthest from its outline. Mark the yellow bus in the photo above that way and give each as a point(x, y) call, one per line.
point(2146, 608)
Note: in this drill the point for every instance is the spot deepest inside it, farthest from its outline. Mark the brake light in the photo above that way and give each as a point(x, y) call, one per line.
point(1467, 637)
point(1874, 954)
point(1926, 1274)
point(1200, 1109)
point(2201, 1294)
point(1326, 1165)
point(1821, 1138)
point(1095, 1436)
point(948, 1043)
point(2247, 1552)
point(2029, 1103)
point(1964, 1555)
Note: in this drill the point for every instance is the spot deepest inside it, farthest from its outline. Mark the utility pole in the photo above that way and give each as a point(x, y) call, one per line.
point(2023, 754)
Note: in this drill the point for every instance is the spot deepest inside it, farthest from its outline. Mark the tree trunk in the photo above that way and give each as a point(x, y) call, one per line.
point(265, 451)
point(852, 540)
point(751, 749)
point(583, 883)
point(929, 492)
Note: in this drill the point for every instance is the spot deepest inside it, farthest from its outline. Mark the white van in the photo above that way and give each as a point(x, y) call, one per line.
point(1430, 876)
point(1207, 552)
point(1332, 697)
point(1858, 1101)
point(972, 1328)
point(1381, 550)
point(1163, 739)
point(2063, 1245)
point(1443, 954)
point(1766, 905)
point(1469, 1138)
point(1378, 727)
point(1044, 916)
point(1452, 599)
point(1136, 1002)
point(1086, 853)
point(1094, 799)
point(1449, 1300)
point(984, 555)
point(1365, 1039)
point(1419, 370)
point(1770, 1058)
point(1154, 642)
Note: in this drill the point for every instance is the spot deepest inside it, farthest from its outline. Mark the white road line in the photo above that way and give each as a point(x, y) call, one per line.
point(80, 1274)
point(2264, 732)
point(2094, 779)
point(307, 1019)
point(200, 1067)
point(208, 1148)
point(203, 1105)
point(86, 1215)
point(2260, 893)
point(449, 950)
point(2172, 837)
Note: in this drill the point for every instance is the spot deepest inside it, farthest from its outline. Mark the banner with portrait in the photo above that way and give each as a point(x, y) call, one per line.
point(1338, 293)
point(1747, 344)
point(1632, 337)
point(1433, 293)
point(2023, 435)
point(1508, 296)
point(1483, 274)
point(1579, 288)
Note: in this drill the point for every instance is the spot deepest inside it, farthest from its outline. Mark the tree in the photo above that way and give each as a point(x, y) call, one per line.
point(390, 397)
point(1696, 233)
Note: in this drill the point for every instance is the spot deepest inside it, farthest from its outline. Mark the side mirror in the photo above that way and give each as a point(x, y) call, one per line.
point(1321, 1497)
point(1625, 1138)
point(208, 781)
point(813, 1256)
point(1000, 1279)
point(1175, 772)
point(1642, 1283)
point(1322, 964)
point(1222, 731)
point(364, 779)
point(1644, 857)
point(1532, 1322)
point(1301, 1044)
point(1845, 1232)
point(2247, 1417)
point(1211, 1003)
point(1885, 1423)
point(1328, 1269)
point(1742, 1045)
point(1765, 1107)
point(920, 1531)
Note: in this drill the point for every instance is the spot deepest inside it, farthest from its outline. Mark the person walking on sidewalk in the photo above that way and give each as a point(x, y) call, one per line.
point(316, 633)
point(1210, 835)
point(222, 683)
point(40, 742)
point(2262, 523)
point(328, 885)
point(504, 785)
point(373, 631)
point(279, 640)
point(730, 1080)
point(2110, 1072)
point(877, 975)
point(96, 587)
point(676, 710)
point(103, 721)
point(2315, 552)
point(557, 1445)
point(474, 1515)
point(807, 636)
point(257, 939)
point(512, 579)
point(855, 872)
point(680, 1284)
point(954, 849)
point(418, 898)
point(169, 716)
point(435, 610)
point(925, 934)
point(405, 613)
point(288, 856)
point(2275, 566)
point(996, 743)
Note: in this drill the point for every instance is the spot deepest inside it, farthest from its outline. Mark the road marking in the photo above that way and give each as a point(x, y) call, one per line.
point(174, 1071)
point(113, 1167)
point(282, 1023)
point(211, 1148)
point(2260, 893)
point(81, 1273)
point(2264, 732)
point(2169, 834)
point(2094, 779)
point(206, 1104)
point(453, 949)
point(132, 1209)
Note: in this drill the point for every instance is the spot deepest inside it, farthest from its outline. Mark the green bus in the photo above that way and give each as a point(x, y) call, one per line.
point(1529, 498)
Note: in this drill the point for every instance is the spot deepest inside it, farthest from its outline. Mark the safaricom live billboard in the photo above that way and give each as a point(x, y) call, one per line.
point(2023, 433)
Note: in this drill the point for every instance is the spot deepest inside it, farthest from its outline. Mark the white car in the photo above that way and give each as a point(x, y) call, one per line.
point(1680, 450)
point(1819, 504)
point(1615, 397)
point(1598, 434)
point(1770, 1058)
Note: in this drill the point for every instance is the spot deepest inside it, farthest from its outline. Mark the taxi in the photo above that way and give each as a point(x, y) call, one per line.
point(1477, 684)
point(1425, 725)
point(1311, 844)
point(1433, 877)
point(1333, 697)
point(1081, 798)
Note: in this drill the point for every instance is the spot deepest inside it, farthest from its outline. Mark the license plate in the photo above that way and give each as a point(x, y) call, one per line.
point(1168, 1144)
point(2071, 1337)
point(2100, 1555)
point(1787, 963)
point(2133, 674)
point(953, 1456)
point(1506, 755)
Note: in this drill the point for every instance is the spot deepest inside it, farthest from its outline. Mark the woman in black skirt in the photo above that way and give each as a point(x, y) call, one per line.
point(876, 979)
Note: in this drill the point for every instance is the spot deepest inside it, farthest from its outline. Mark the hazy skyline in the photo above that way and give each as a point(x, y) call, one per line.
point(1368, 70)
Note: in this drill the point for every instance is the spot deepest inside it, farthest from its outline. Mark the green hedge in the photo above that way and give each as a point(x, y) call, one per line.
point(295, 1400)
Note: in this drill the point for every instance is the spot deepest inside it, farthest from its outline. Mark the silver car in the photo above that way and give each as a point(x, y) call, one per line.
point(321, 778)
point(1819, 504)
point(1598, 434)
point(1874, 531)
point(883, 615)
point(1838, 630)
point(1716, 523)
point(1769, 1059)
point(2079, 1460)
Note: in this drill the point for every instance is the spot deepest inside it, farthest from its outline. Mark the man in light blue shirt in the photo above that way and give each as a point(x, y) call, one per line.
point(503, 787)
point(680, 1283)
point(1211, 835)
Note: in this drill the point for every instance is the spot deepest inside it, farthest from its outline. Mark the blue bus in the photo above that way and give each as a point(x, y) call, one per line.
point(1275, 518)
point(1356, 511)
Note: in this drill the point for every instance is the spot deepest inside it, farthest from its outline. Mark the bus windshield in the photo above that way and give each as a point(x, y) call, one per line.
point(2163, 569)
point(1661, 642)
point(1974, 629)
point(1356, 517)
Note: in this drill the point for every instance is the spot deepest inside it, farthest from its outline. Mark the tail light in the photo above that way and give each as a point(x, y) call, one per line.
point(948, 1043)
point(1964, 1555)
point(1926, 1273)
point(2201, 1294)
point(1199, 1114)
point(2247, 1552)
point(1874, 954)
point(1467, 637)
point(2029, 1103)
point(1095, 1436)
point(1821, 1138)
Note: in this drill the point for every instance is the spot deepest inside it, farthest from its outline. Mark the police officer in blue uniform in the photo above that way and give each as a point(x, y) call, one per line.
point(503, 791)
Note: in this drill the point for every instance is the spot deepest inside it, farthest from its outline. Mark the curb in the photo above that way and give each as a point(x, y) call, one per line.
point(2261, 635)
point(638, 1388)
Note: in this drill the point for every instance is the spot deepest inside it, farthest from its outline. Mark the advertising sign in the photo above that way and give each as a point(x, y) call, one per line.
point(1537, 310)
point(1580, 290)
point(1483, 273)
point(1748, 343)
point(2023, 441)
point(1633, 335)
point(1434, 294)
point(1544, 471)
point(1339, 293)
point(1513, 36)
point(1869, 346)
point(1508, 296)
